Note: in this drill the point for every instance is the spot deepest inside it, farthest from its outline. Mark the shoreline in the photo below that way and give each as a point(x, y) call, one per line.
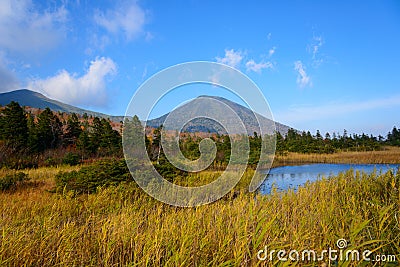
point(390, 155)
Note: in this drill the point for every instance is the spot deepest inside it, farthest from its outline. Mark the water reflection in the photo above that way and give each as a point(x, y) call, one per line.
point(287, 177)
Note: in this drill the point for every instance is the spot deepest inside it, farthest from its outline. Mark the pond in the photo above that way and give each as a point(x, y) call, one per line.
point(287, 177)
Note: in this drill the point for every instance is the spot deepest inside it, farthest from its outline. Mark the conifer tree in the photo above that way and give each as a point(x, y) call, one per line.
point(49, 130)
point(14, 127)
point(73, 130)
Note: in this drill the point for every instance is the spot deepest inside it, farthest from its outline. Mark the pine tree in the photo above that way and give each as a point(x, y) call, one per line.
point(156, 144)
point(110, 140)
point(14, 127)
point(393, 138)
point(327, 137)
point(49, 130)
point(73, 130)
point(133, 133)
point(95, 134)
point(32, 136)
point(83, 143)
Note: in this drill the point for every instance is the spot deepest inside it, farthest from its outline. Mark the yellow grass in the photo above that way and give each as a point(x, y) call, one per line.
point(388, 155)
point(122, 226)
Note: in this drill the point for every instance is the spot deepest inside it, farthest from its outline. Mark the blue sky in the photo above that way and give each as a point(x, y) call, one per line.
point(328, 66)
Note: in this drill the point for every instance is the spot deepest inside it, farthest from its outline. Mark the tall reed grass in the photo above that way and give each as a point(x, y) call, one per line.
point(388, 155)
point(122, 226)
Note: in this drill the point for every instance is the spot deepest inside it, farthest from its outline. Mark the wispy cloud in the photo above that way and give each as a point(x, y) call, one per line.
point(97, 42)
point(232, 58)
point(314, 48)
point(271, 51)
point(303, 79)
point(251, 65)
point(334, 110)
point(89, 89)
point(23, 28)
point(269, 36)
point(316, 45)
point(127, 19)
point(149, 65)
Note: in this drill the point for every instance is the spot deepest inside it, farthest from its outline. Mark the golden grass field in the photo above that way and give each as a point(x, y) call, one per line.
point(387, 155)
point(122, 226)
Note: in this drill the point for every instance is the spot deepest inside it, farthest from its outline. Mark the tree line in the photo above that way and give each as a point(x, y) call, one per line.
point(305, 142)
point(28, 140)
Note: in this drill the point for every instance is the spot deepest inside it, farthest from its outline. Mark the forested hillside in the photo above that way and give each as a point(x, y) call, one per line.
point(51, 138)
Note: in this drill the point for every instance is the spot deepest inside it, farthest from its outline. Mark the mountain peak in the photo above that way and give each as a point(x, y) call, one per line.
point(26, 97)
point(252, 121)
point(23, 92)
point(213, 96)
point(34, 99)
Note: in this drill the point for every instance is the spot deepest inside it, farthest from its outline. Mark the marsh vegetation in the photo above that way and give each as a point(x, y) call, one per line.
point(121, 225)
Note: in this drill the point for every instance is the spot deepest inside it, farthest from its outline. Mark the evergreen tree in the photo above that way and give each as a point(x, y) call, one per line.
point(133, 138)
point(83, 143)
point(156, 144)
point(73, 130)
point(14, 127)
point(49, 130)
point(327, 138)
point(32, 136)
point(280, 143)
point(318, 135)
point(110, 140)
point(96, 134)
point(393, 138)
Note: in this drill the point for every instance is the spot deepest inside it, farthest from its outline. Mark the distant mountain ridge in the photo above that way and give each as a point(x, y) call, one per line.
point(202, 104)
point(33, 99)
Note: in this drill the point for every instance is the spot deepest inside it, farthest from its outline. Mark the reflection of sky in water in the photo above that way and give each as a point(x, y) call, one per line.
point(293, 176)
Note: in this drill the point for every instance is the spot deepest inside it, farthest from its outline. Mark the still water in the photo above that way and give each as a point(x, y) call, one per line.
point(287, 177)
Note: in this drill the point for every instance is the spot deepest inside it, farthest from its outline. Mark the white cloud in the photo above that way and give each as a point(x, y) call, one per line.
point(303, 79)
point(23, 28)
point(232, 58)
point(269, 36)
point(251, 65)
point(89, 89)
point(127, 19)
point(271, 51)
